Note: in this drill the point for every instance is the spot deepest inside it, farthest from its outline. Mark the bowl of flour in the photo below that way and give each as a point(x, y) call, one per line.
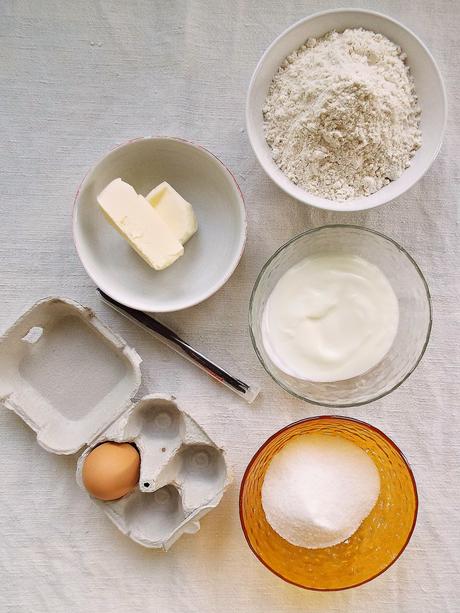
point(346, 110)
point(328, 503)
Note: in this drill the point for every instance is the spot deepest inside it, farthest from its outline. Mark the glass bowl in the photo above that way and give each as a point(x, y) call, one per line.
point(408, 284)
point(377, 543)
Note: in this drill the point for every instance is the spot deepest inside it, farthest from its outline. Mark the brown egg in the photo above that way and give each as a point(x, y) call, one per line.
point(111, 470)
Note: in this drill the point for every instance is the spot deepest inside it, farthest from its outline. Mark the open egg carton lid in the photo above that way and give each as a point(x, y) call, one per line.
point(65, 374)
point(72, 380)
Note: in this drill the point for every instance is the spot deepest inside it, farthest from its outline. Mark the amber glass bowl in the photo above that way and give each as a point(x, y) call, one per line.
point(379, 541)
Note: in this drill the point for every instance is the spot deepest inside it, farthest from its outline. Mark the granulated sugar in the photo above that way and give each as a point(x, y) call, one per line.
point(318, 490)
point(341, 115)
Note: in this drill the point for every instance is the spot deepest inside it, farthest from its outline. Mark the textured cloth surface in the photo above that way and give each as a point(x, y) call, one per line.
point(76, 78)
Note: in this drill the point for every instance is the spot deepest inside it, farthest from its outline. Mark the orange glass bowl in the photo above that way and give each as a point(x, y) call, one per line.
point(373, 548)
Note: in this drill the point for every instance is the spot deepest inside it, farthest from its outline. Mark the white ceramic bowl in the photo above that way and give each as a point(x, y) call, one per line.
point(428, 83)
point(211, 255)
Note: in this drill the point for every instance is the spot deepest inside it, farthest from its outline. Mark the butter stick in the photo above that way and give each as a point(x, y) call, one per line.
point(140, 224)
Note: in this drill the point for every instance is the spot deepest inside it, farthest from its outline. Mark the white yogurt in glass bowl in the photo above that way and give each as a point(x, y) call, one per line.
point(330, 318)
point(347, 335)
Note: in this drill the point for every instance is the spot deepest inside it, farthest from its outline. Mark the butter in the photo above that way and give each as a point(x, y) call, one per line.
point(175, 211)
point(140, 224)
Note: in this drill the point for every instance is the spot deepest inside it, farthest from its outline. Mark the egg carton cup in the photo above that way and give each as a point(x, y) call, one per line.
point(72, 380)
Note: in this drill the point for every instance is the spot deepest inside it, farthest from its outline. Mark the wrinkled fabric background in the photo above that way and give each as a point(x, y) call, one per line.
point(76, 78)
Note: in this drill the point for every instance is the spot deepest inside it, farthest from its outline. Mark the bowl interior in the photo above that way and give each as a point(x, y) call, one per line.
point(408, 284)
point(429, 87)
point(378, 542)
point(210, 255)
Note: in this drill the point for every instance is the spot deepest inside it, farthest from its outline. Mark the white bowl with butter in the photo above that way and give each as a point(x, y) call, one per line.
point(340, 315)
point(204, 259)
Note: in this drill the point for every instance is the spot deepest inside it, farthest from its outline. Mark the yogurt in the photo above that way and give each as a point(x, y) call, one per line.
point(330, 318)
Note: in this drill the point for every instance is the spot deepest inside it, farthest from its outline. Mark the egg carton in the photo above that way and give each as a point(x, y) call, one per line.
point(72, 380)
point(183, 473)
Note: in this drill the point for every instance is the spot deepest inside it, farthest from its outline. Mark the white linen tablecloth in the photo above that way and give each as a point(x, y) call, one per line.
point(78, 77)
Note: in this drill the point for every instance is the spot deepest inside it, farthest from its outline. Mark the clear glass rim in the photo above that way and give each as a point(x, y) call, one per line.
point(293, 426)
point(339, 405)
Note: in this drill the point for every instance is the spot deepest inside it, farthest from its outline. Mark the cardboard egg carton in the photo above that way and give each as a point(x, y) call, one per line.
point(72, 380)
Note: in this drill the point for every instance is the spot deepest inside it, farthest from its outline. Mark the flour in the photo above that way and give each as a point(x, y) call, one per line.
point(341, 115)
point(318, 490)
